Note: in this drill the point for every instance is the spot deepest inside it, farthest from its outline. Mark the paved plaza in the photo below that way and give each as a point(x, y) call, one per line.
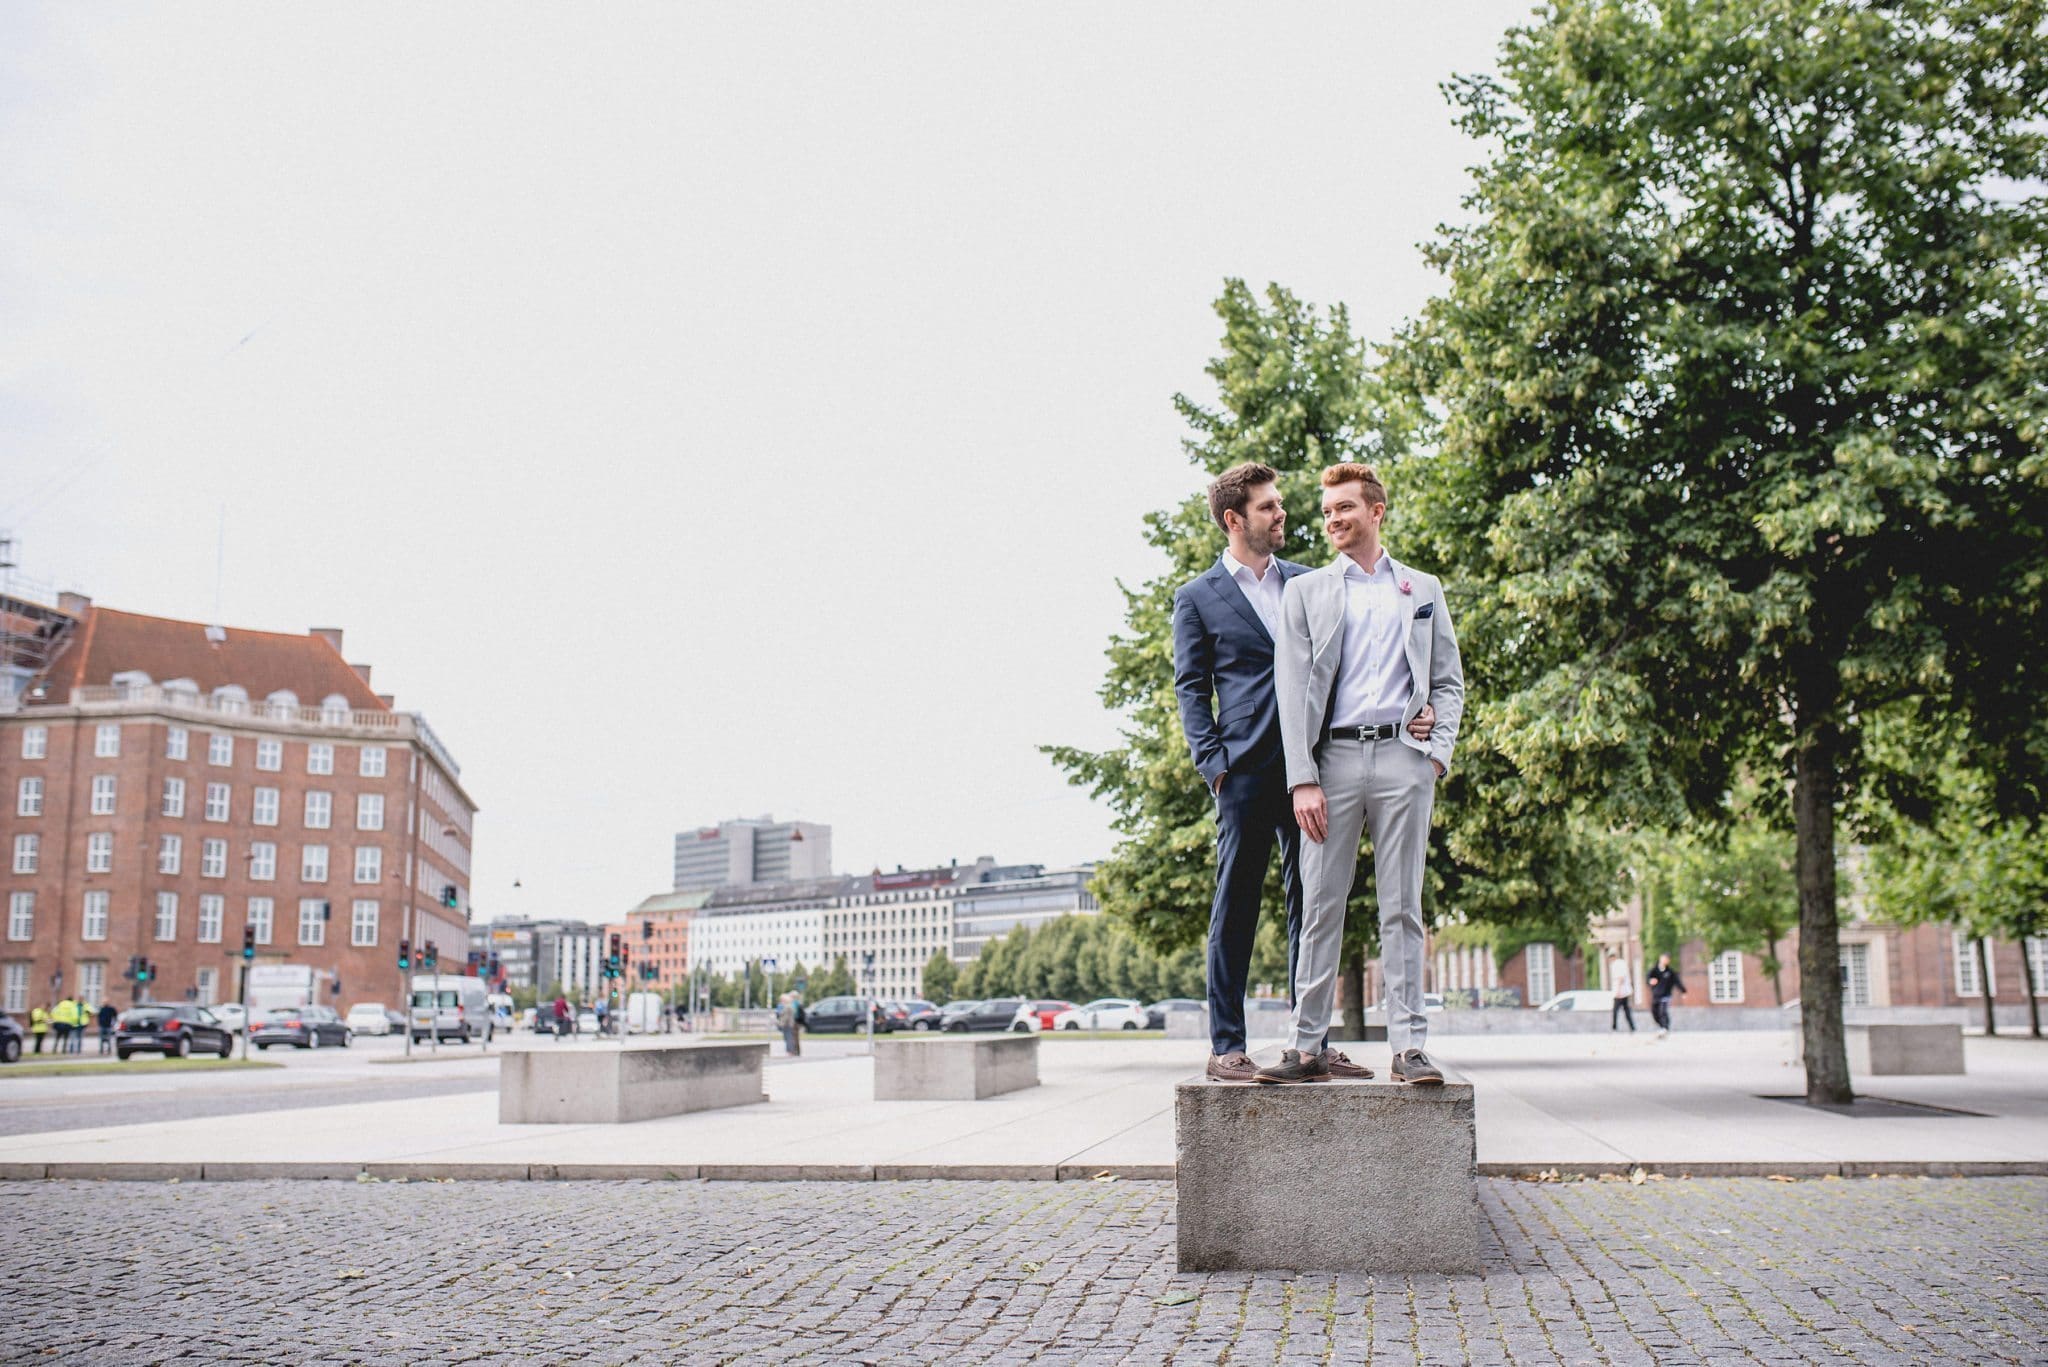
point(1909, 1270)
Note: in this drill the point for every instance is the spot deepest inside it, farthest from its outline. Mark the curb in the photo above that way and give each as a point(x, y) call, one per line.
point(921, 1172)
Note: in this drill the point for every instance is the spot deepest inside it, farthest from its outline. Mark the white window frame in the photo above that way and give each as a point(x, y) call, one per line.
point(166, 926)
point(205, 983)
point(370, 761)
point(312, 920)
point(220, 799)
point(14, 989)
point(106, 792)
point(263, 807)
point(362, 923)
point(170, 853)
point(262, 915)
point(213, 858)
point(1539, 959)
point(106, 740)
point(319, 809)
point(173, 803)
point(313, 864)
point(28, 797)
point(1724, 978)
point(28, 852)
point(35, 742)
point(97, 911)
point(220, 749)
point(99, 852)
point(1963, 949)
point(92, 981)
point(270, 756)
point(21, 916)
point(369, 811)
point(2036, 950)
point(262, 861)
point(319, 758)
point(369, 864)
point(213, 913)
point(177, 743)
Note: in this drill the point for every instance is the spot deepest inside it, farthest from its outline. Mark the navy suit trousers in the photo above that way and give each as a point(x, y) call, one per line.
point(1253, 812)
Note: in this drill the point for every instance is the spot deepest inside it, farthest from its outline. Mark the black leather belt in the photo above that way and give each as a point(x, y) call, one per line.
point(1384, 731)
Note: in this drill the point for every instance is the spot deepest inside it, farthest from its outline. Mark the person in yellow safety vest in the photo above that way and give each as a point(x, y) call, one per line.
point(38, 1025)
point(81, 1016)
point(63, 1016)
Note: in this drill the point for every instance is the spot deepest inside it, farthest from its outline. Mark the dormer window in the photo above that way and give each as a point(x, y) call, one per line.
point(283, 704)
point(334, 710)
point(231, 698)
point(129, 682)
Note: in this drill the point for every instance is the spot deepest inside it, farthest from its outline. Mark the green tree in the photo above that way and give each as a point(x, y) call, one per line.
point(837, 983)
point(941, 976)
point(1729, 884)
point(1738, 372)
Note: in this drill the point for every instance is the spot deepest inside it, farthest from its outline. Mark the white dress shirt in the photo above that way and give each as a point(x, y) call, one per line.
point(1262, 594)
point(1373, 681)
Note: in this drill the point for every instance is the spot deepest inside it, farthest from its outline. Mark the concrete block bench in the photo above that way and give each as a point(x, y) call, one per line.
point(1326, 1177)
point(610, 1085)
point(1903, 1050)
point(954, 1068)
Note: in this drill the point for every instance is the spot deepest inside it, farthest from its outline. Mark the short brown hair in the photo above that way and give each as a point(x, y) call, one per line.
point(1233, 489)
point(1352, 471)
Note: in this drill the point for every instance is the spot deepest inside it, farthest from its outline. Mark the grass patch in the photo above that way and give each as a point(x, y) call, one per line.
point(30, 1066)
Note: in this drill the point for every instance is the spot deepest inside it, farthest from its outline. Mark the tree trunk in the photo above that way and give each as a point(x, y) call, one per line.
point(2033, 987)
point(1351, 993)
point(1777, 974)
point(1820, 953)
point(1984, 982)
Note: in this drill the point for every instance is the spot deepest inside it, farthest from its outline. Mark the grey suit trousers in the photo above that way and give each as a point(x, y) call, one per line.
point(1388, 788)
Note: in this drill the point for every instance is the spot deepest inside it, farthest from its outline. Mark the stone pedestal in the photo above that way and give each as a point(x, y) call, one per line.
point(1326, 1177)
point(609, 1085)
point(954, 1067)
point(1904, 1050)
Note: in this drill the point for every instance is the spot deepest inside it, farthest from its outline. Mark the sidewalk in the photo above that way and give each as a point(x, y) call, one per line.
point(1683, 1105)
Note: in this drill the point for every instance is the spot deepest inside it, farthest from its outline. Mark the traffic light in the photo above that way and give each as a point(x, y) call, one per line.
point(647, 930)
point(144, 970)
point(496, 967)
point(611, 963)
point(431, 956)
point(448, 895)
point(404, 954)
point(248, 942)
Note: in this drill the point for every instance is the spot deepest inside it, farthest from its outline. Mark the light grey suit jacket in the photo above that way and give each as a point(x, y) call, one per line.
point(1305, 662)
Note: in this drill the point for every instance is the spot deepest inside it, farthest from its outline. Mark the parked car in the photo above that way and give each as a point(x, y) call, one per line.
point(847, 1013)
point(953, 1010)
point(1000, 1013)
point(926, 1017)
point(178, 1031)
point(1432, 1001)
point(302, 1027)
point(1157, 1012)
point(898, 1014)
point(586, 1022)
point(1104, 1013)
point(1583, 999)
point(1043, 1012)
point(369, 1018)
point(397, 1019)
point(232, 1017)
point(11, 1037)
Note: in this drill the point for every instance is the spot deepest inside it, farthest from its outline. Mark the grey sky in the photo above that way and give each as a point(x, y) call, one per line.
point(696, 411)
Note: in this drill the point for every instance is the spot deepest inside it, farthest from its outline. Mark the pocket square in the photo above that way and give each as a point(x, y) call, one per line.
point(1426, 610)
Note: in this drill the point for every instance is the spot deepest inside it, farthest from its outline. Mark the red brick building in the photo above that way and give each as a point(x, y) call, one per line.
point(165, 784)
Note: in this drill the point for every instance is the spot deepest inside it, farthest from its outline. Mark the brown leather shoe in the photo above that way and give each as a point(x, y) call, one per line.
point(1236, 1067)
point(1413, 1067)
point(1342, 1067)
point(1295, 1066)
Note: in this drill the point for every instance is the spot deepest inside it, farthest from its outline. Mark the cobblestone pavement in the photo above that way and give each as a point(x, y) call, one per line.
point(1893, 1270)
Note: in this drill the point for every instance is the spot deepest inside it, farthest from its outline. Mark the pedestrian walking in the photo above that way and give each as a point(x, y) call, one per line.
point(108, 1017)
point(788, 1014)
point(1663, 980)
point(563, 1022)
point(1622, 984)
point(81, 1017)
point(39, 1025)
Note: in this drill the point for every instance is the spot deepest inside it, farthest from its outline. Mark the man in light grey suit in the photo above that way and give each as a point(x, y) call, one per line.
point(1365, 646)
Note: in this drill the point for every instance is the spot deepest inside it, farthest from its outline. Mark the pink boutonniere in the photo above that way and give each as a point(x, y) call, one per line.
point(1408, 586)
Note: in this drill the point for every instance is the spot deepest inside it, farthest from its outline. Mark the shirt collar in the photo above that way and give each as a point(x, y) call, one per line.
point(1384, 565)
point(1237, 569)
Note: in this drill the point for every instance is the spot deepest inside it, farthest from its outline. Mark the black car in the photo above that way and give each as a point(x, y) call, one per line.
point(10, 1040)
point(990, 1015)
point(179, 1030)
point(846, 1013)
point(924, 1016)
point(302, 1027)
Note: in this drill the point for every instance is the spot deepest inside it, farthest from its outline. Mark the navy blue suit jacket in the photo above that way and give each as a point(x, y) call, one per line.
point(1222, 650)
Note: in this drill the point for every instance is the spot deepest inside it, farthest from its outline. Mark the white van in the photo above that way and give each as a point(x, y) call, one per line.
point(450, 1006)
point(643, 1013)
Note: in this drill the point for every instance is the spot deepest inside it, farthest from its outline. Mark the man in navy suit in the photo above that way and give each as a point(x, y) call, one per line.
point(1224, 622)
